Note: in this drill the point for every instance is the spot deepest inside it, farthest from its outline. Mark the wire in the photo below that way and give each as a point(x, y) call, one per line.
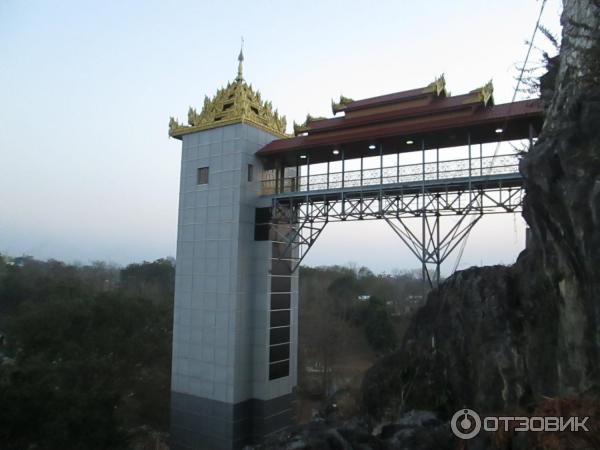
point(535, 29)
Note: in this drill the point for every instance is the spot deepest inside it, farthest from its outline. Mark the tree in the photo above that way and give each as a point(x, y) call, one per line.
point(88, 366)
point(343, 290)
point(153, 280)
point(379, 328)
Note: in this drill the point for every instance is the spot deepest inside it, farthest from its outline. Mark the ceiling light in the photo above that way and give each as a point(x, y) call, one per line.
point(498, 130)
point(336, 151)
point(410, 142)
point(302, 156)
point(372, 147)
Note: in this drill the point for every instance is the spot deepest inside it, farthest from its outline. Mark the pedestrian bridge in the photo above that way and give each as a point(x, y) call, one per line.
point(414, 154)
point(428, 164)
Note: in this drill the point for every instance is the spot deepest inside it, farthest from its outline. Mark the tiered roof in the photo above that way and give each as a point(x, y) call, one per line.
point(236, 103)
point(428, 112)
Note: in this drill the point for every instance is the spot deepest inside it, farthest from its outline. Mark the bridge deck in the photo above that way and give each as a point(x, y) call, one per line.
point(453, 185)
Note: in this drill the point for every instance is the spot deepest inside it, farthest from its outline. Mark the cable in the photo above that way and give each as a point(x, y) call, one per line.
point(535, 29)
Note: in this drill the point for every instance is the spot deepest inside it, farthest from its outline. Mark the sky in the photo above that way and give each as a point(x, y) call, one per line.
point(87, 170)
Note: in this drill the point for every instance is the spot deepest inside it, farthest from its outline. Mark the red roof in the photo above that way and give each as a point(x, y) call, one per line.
point(387, 99)
point(411, 115)
point(431, 108)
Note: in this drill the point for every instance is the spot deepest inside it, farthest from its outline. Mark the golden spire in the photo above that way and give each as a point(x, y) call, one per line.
point(240, 62)
point(235, 103)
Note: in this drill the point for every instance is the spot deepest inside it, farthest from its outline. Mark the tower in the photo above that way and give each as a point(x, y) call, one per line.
point(235, 317)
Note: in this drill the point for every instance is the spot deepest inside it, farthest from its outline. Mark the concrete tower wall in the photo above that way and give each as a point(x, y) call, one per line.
point(225, 392)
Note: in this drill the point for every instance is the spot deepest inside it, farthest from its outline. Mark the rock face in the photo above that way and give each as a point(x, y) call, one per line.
point(498, 338)
point(417, 430)
point(478, 342)
point(562, 207)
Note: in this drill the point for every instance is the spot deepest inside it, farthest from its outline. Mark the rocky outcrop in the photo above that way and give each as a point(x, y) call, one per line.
point(480, 341)
point(562, 205)
point(500, 338)
point(416, 430)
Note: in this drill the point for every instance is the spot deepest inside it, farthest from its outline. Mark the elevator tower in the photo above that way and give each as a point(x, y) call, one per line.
point(235, 316)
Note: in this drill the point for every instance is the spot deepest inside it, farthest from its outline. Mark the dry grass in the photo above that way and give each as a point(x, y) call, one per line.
point(575, 406)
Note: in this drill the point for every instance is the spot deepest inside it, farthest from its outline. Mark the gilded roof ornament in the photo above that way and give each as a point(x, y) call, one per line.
point(438, 87)
point(235, 103)
point(303, 128)
point(173, 125)
point(485, 94)
point(300, 128)
point(337, 107)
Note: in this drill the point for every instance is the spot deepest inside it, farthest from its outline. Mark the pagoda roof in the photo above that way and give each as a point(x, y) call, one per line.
point(435, 89)
point(237, 102)
point(409, 115)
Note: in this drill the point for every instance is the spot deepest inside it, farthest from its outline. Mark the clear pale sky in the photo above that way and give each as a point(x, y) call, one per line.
point(87, 171)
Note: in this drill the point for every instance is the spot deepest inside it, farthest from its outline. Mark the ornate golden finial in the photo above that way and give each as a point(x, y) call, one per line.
point(303, 128)
point(174, 126)
point(240, 62)
point(338, 106)
point(485, 94)
point(438, 86)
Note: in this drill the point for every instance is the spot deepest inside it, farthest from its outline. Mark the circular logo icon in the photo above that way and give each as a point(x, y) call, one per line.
point(465, 424)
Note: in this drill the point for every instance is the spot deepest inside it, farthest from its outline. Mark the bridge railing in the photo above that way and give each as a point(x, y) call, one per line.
point(396, 174)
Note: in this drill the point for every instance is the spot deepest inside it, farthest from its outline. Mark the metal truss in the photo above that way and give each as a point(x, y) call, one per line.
point(299, 220)
point(448, 196)
point(298, 232)
point(432, 248)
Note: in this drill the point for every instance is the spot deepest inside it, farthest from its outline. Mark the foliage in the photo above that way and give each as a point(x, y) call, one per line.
point(150, 280)
point(26, 279)
point(333, 314)
point(379, 329)
point(534, 69)
point(335, 290)
point(91, 362)
point(87, 348)
point(322, 335)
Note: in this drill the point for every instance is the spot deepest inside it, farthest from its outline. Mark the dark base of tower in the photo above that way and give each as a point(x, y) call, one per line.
point(200, 423)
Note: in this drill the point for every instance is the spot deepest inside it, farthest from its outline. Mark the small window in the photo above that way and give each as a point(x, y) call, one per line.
point(250, 172)
point(203, 175)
